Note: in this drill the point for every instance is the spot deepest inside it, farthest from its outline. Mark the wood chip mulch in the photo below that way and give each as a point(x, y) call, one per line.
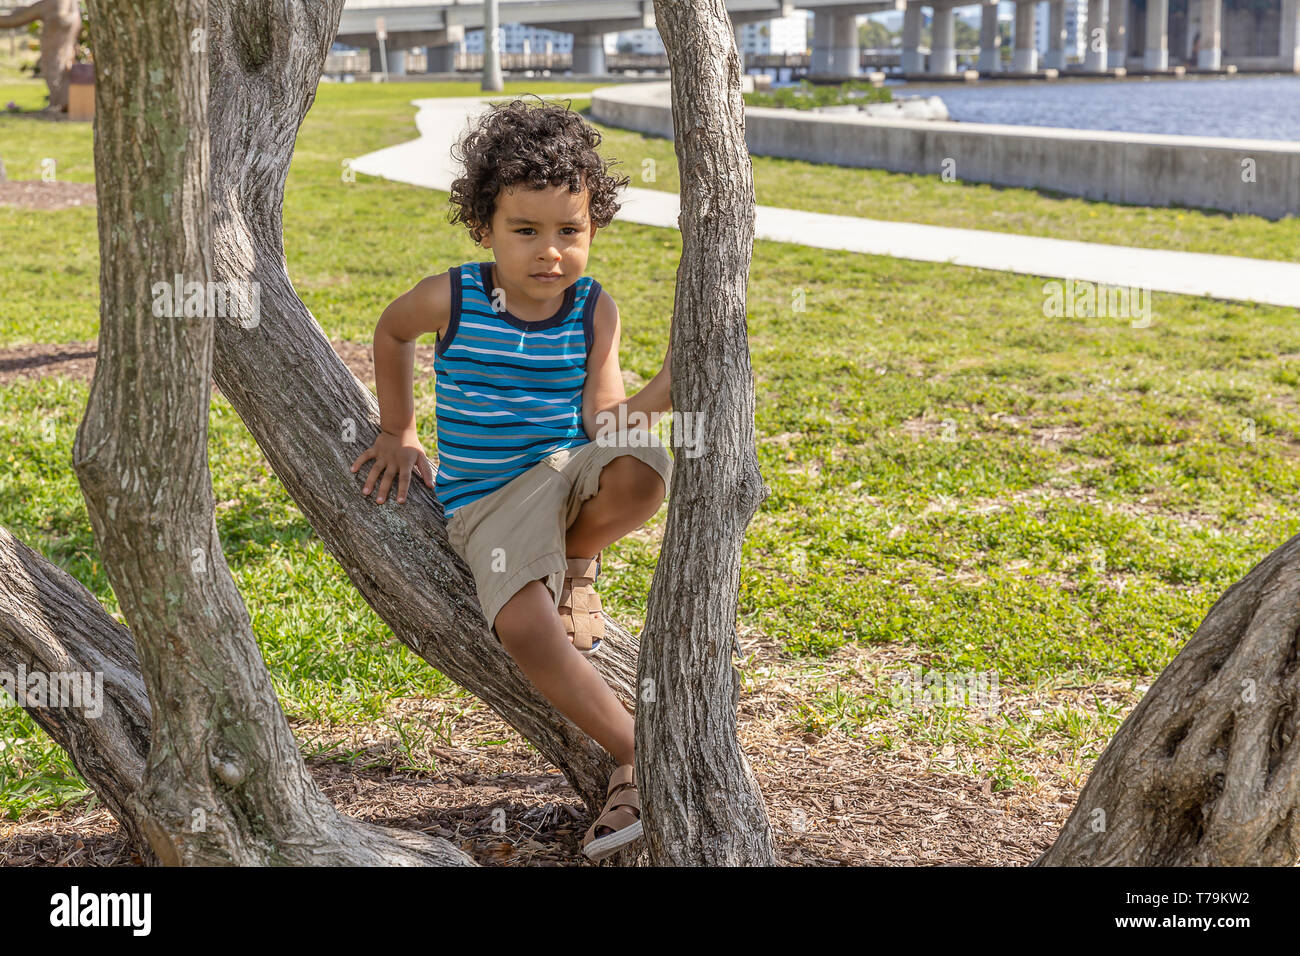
point(76, 361)
point(833, 800)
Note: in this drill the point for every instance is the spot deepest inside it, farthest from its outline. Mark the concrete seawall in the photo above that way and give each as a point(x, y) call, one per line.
point(1255, 176)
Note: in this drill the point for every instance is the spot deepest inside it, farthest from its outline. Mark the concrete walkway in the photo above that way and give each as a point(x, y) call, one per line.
point(427, 162)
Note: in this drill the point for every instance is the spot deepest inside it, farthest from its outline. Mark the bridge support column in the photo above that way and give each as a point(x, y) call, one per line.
point(1095, 57)
point(589, 53)
point(1210, 56)
point(913, 58)
point(1025, 59)
point(943, 54)
point(1289, 37)
point(1156, 56)
point(835, 44)
point(822, 42)
point(1117, 34)
point(846, 55)
point(1055, 35)
point(441, 58)
point(990, 38)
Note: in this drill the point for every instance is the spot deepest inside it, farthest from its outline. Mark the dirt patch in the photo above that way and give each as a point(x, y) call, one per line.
point(930, 427)
point(76, 360)
point(37, 194)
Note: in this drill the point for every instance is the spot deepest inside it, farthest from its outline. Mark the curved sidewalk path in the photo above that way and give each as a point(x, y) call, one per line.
point(427, 162)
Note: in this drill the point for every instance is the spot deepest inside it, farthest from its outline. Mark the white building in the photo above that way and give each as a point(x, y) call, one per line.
point(635, 41)
point(779, 35)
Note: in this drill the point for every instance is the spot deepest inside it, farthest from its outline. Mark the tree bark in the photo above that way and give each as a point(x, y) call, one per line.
point(701, 803)
point(1206, 769)
point(60, 26)
point(310, 415)
point(224, 781)
point(49, 623)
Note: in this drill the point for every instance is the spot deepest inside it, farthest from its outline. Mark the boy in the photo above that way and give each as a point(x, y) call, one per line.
point(527, 380)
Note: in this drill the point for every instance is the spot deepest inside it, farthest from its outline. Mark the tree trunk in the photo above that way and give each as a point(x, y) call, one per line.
point(224, 781)
point(310, 415)
point(60, 26)
point(1206, 769)
point(701, 803)
point(50, 624)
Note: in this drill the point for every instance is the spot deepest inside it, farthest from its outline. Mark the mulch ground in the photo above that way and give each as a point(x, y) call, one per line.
point(833, 799)
point(76, 360)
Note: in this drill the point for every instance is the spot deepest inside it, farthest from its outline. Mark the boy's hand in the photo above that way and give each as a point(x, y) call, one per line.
point(394, 458)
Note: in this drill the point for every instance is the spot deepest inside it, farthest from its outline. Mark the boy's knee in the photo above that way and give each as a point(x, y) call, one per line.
point(634, 478)
point(518, 620)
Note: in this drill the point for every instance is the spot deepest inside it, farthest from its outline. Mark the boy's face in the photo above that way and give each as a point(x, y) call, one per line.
point(537, 232)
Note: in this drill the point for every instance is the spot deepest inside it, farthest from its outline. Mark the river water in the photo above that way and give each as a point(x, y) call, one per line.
point(1255, 107)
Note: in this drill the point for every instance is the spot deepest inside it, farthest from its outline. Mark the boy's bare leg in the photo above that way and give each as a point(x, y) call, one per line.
point(629, 493)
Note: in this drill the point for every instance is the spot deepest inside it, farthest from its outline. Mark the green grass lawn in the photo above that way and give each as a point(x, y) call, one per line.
point(953, 474)
point(906, 197)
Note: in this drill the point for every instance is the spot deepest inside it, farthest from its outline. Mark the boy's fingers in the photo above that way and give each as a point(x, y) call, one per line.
point(371, 477)
point(386, 483)
point(426, 471)
point(363, 457)
point(403, 483)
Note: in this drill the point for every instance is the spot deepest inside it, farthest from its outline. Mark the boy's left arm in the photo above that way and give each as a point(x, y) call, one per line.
point(604, 393)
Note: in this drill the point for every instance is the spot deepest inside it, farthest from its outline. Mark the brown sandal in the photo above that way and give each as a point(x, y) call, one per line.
point(580, 605)
point(620, 821)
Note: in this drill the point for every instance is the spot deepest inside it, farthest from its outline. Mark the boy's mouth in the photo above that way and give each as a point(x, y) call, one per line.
point(548, 276)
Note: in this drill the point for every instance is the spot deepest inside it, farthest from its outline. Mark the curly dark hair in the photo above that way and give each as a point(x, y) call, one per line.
point(538, 146)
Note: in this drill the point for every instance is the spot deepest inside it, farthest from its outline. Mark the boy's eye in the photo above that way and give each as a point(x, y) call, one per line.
point(529, 229)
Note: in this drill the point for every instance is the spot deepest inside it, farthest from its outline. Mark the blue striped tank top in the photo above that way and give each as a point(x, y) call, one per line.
point(508, 391)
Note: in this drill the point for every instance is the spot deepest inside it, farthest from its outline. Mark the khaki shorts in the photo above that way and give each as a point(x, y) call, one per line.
point(517, 533)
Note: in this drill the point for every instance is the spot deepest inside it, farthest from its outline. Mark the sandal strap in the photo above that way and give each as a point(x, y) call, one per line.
point(612, 820)
point(623, 775)
point(581, 568)
point(627, 797)
point(579, 604)
point(622, 808)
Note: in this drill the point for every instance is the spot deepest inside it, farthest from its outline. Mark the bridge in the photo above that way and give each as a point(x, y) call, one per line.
point(1144, 36)
point(440, 25)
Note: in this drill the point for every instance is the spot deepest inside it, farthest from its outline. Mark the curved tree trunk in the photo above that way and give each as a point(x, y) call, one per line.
point(1206, 769)
point(224, 781)
point(310, 415)
point(50, 624)
point(702, 804)
point(60, 25)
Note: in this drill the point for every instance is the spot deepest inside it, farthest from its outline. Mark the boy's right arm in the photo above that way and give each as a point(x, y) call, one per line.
point(425, 308)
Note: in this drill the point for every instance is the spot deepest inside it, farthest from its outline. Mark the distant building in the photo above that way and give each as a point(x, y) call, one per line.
point(513, 36)
point(636, 41)
point(779, 35)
